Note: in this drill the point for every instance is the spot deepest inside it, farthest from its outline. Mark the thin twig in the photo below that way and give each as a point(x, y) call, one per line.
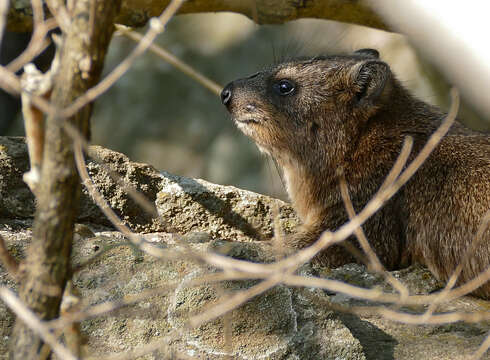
point(157, 26)
point(399, 164)
point(222, 307)
point(383, 195)
point(137, 196)
point(97, 256)
point(373, 261)
point(451, 317)
point(103, 205)
point(135, 239)
point(60, 13)
point(329, 238)
point(38, 42)
point(33, 322)
point(467, 256)
point(109, 306)
point(8, 261)
point(4, 6)
point(174, 61)
point(482, 349)
point(470, 286)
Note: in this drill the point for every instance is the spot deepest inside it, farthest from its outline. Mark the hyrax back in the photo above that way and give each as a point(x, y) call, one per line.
point(333, 116)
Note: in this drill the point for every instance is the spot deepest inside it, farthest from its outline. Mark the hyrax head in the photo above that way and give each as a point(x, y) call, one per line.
point(316, 104)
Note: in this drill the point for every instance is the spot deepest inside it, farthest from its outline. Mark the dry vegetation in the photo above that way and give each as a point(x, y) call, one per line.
point(57, 146)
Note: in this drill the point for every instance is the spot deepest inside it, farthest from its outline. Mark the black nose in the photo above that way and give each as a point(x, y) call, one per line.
point(226, 94)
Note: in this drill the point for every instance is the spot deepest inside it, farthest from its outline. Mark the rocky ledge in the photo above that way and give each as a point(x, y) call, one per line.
point(282, 323)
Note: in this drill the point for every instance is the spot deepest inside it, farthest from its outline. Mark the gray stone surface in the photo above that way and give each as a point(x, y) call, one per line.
point(283, 323)
point(142, 177)
point(186, 205)
point(16, 200)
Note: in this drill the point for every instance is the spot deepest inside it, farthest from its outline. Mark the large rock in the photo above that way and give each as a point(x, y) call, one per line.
point(193, 205)
point(282, 323)
point(184, 204)
point(17, 201)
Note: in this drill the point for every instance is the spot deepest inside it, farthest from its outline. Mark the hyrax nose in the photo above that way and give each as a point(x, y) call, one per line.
point(226, 94)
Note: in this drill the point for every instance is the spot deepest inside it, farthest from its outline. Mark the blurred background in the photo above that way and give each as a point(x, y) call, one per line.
point(157, 115)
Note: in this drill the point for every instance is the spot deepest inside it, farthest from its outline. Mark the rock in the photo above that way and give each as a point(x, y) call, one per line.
point(141, 177)
point(417, 279)
point(16, 199)
point(282, 323)
point(186, 205)
point(263, 327)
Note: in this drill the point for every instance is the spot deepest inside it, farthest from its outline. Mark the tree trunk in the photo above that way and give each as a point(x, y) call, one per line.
point(47, 265)
point(136, 13)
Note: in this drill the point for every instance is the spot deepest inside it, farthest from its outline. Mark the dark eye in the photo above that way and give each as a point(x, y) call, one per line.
point(284, 87)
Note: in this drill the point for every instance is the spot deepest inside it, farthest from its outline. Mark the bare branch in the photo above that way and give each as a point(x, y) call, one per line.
point(466, 258)
point(482, 349)
point(289, 265)
point(137, 13)
point(222, 307)
point(373, 261)
point(31, 320)
point(4, 5)
point(109, 306)
point(281, 272)
point(8, 261)
point(47, 263)
point(174, 61)
point(38, 41)
point(60, 13)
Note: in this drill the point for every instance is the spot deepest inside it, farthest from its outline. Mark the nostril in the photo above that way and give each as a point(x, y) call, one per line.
point(250, 108)
point(226, 95)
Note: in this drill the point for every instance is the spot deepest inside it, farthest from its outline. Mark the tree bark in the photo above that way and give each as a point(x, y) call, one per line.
point(47, 265)
point(136, 13)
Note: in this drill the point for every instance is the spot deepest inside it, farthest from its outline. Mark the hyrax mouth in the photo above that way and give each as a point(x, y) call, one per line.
point(245, 121)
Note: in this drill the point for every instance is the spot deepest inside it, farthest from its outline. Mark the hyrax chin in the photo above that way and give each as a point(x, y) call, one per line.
point(332, 115)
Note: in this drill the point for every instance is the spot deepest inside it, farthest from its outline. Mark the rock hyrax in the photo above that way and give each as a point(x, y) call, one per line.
point(328, 115)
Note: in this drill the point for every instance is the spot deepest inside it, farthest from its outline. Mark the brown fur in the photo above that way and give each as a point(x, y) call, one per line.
point(349, 113)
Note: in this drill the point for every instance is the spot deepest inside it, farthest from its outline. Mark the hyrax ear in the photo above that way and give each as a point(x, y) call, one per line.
point(368, 81)
point(372, 53)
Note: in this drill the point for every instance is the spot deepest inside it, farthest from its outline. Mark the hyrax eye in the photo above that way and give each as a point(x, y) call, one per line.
point(284, 87)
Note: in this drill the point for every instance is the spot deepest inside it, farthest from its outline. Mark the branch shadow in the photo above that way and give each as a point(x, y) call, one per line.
point(377, 344)
point(214, 204)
